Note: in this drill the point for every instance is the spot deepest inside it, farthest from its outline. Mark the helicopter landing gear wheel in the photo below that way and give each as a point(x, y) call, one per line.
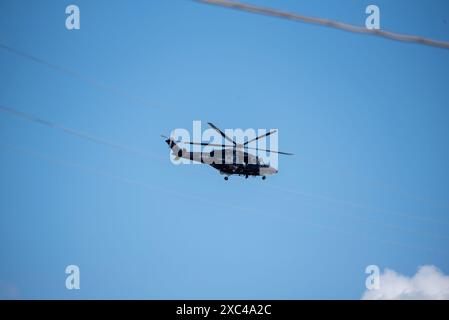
point(263, 178)
point(226, 178)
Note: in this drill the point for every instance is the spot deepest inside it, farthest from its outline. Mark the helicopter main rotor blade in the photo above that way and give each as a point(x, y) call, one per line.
point(207, 144)
point(280, 152)
point(222, 133)
point(259, 137)
point(224, 146)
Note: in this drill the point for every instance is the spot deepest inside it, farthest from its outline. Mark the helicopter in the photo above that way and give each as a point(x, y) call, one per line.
point(228, 160)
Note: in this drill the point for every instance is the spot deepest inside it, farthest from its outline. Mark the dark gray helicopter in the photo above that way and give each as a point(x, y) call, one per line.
point(232, 160)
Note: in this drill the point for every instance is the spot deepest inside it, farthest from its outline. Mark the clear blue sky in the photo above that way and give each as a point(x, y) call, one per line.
point(367, 118)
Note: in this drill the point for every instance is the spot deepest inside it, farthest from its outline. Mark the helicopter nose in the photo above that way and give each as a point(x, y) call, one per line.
point(268, 171)
point(272, 170)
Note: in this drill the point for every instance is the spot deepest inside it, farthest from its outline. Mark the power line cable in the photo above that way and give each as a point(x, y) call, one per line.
point(125, 148)
point(327, 23)
point(75, 74)
point(77, 133)
point(172, 191)
point(122, 147)
point(361, 206)
point(189, 197)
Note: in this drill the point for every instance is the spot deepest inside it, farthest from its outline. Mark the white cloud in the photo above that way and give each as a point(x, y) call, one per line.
point(428, 283)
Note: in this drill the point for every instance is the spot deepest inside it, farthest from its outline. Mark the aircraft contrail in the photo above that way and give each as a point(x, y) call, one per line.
point(327, 23)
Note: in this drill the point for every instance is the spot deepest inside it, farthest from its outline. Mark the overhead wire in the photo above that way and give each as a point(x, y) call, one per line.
point(189, 197)
point(100, 172)
point(77, 133)
point(125, 148)
point(229, 4)
point(363, 214)
point(327, 23)
point(77, 75)
point(356, 205)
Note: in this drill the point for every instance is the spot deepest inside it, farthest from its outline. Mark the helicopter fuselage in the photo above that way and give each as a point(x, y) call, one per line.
point(228, 161)
point(244, 169)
